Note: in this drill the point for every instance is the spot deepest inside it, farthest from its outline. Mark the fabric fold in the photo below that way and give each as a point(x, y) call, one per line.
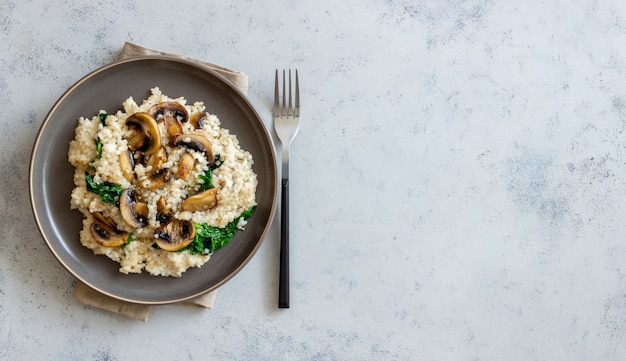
point(239, 79)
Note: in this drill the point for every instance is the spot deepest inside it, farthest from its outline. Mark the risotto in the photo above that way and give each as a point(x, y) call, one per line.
point(160, 184)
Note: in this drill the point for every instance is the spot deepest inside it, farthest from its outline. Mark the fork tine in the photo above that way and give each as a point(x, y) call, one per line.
point(289, 108)
point(276, 95)
point(297, 104)
point(283, 108)
point(289, 105)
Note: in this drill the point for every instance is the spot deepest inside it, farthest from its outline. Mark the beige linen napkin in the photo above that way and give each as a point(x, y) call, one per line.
point(91, 297)
point(239, 79)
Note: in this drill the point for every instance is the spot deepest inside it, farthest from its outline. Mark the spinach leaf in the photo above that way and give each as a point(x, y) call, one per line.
point(129, 239)
point(217, 163)
point(248, 212)
point(209, 239)
point(207, 177)
point(103, 117)
point(98, 148)
point(207, 183)
point(108, 192)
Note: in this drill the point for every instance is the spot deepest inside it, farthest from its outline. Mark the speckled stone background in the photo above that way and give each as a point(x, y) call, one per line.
point(457, 185)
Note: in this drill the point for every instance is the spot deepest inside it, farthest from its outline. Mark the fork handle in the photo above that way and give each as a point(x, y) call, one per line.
point(283, 285)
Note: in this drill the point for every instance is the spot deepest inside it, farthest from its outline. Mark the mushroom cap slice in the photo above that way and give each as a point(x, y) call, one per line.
point(201, 202)
point(134, 213)
point(175, 235)
point(174, 110)
point(163, 214)
point(127, 165)
point(105, 232)
point(157, 179)
point(156, 159)
point(172, 114)
point(173, 128)
point(146, 136)
point(198, 119)
point(197, 142)
point(185, 166)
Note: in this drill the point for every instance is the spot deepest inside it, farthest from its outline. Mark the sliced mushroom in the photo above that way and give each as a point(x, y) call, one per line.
point(156, 159)
point(157, 179)
point(127, 165)
point(201, 202)
point(105, 232)
point(198, 120)
point(197, 142)
point(134, 213)
point(146, 137)
point(169, 109)
point(185, 166)
point(172, 114)
point(175, 235)
point(163, 213)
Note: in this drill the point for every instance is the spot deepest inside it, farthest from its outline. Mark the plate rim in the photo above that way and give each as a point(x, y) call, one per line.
point(46, 122)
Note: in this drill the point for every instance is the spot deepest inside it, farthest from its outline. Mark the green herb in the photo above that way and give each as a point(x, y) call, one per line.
point(103, 117)
point(98, 148)
point(217, 163)
point(208, 239)
point(129, 239)
point(207, 177)
point(108, 192)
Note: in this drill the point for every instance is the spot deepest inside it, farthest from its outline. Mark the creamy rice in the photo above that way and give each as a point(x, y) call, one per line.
point(235, 182)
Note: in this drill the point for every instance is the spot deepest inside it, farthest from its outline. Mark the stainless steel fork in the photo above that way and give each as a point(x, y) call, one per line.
point(286, 124)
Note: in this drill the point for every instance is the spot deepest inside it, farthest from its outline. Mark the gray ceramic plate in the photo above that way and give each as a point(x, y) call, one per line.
point(51, 174)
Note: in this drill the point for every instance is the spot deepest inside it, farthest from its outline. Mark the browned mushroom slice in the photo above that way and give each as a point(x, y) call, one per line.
point(163, 213)
point(105, 232)
point(185, 166)
point(197, 142)
point(146, 137)
point(127, 165)
point(134, 213)
point(198, 120)
point(172, 114)
point(201, 202)
point(156, 159)
point(175, 235)
point(163, 110)
point(157, 179)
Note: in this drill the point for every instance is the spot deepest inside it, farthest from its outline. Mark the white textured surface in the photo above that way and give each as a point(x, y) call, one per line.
point(457, 184)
